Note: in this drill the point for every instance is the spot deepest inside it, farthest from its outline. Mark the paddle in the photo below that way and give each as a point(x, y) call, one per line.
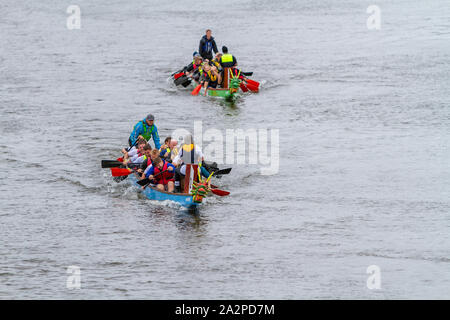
point(111, 163)
point(252, 82)
point(247, 74)
point(252, 87)
point(178, 75)
point(243, 87)
point(223, 171)
point(119, 172)
point(180, 80)
point(196, 90)
point(220, 193)
point(118, 164)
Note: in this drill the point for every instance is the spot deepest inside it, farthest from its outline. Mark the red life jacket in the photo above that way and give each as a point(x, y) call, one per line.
point(165, 177)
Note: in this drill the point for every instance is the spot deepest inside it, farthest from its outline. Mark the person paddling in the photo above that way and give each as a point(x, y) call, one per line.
point(210, 77)
point(147, 130)
point(162, 173)
point(207, 46)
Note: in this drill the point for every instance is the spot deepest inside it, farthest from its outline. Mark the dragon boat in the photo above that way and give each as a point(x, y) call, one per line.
point(229, 89)
point(195, 188)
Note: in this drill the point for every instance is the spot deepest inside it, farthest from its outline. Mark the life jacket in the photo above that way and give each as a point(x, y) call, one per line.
point(226, 60)
point(165, 177)
point(217, 64)
point(147, 134)
point(212, 77)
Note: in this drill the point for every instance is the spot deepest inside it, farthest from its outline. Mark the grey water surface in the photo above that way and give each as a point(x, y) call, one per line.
point(364, 176)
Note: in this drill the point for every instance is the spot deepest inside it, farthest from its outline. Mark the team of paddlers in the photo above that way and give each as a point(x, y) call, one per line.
point(207, 71)
point(164, 166)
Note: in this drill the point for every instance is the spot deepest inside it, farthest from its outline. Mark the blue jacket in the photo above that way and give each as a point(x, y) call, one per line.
point(206, 47)
point(142, 128)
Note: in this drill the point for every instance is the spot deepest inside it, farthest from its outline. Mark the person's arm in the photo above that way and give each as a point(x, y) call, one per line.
point(132, 152)
point(155, 136)
point(214, 46)
point(136, 132)
point(149, 171)
point(177, 159)
point(200, 46)
point(169, 165)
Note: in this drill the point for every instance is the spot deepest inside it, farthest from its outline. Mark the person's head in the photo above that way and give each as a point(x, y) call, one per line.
point(149, 119)
point(141, 146)
point(167, 141)
point(173, 143)
point(208, 34)
point(198, 60)
point(147, 150)
point(157, 162)
point(142, 140)
point(218, 56)
point(206, 67)
point(224, 49)
point(154, 154)
point(195, 54)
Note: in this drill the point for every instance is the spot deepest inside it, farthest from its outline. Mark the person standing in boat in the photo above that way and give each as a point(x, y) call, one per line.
point(207, 46)
point(147, 130)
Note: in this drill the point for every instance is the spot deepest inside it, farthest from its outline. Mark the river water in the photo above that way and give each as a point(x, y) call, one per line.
point(364, 178)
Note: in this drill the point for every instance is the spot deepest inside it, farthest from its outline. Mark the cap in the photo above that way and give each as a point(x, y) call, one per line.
point(150, 117)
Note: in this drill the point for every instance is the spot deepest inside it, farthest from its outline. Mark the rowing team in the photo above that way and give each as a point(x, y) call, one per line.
point(210, 73)
point(165, 165)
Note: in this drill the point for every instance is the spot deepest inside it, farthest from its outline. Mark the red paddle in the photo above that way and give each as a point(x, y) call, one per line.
point(219, 192)
point(178, 75)
point(252, 87)
point(252, 82)
point(196, 90)
point(119, 172)
point(243, 87)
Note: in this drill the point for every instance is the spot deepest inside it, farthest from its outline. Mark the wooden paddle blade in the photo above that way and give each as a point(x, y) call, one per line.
point(111, 163)
point(196, 90)
point(118, 172)
point(120, 159)
point(178, 75)
point(223, 171)
point(243, 87)
point(219, 192)
point(143, 182)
